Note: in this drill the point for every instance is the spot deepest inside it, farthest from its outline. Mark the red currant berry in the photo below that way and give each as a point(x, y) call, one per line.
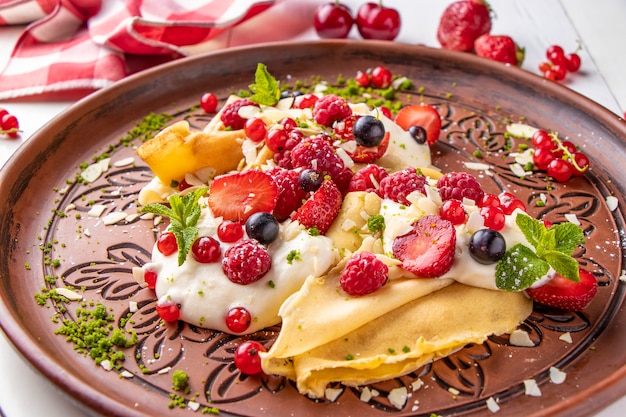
point(169, 312)
point(571, 148)
point(560, 170)
point(183, 185)
point(542, 157)
point(206, 250)
point(493, 217)
point(238, 319)
point(333, 20)
point(150, 277)
point(544, 66)
point(560, 72)
point(255, 129)
point(166, 243)
point(555, 54)
point(247, 358)
point(3, 112)
point(208, 102)
point(572, 61)
point(453, 211)
point(542, 139)
point(229, 231)
point(362, 78)
point(305, 101)
point(10, 125)
point(489, 200)
point(509, 206)
point(582, 163)
point(381, 77)
point(550, 75)
point(547, 223)
point(288, 124)
point(276, 139)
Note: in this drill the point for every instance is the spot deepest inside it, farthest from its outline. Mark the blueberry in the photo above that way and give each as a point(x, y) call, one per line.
point(292, 93)
point(368, 131)
point(262, 227)
point(418, 133)
point(487, 246)
point(310, 180)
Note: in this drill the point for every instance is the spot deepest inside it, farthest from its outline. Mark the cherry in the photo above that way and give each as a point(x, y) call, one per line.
point(150, 277)
point(229, 231)
point(333, 20)
point(206, 250)
point(453, 211)
point(381, 77)
point(377, 22)
point(255, 129)
point(166, 243)
point(169, 312)
point(238, 319)
point(247, 358)
point(208, 102)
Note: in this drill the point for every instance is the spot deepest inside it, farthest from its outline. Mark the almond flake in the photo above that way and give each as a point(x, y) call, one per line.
point(91, 173)
point(332, 393)
point(492, 405)
point(124, 162)
point(520, 338)
point(69, 294)
point(521, 130)
point(572, 218)
point(126, 374)
point(531, 388)
point(366, 395)
point(193, 405)
point(132, 306)
point(477, 166)
point(164, 370)
point(612, 202)
point(566, 337)
point(114, 217)
point(397, 397)
point(557, 376)
point(106, 365)
point(96, 210)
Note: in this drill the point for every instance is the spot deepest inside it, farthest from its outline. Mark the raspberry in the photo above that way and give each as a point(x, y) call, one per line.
point(364, 273)
point(400, 184)
point(230, 115)
point(245, 262)
point(331, 108)
point(317, 153)
point(290, 194)
point(459, 185)
point(367, 178)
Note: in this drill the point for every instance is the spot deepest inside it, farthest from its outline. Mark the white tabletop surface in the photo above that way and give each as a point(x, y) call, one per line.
point(534, 24)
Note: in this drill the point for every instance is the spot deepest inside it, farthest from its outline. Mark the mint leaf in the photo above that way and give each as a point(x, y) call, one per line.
point(547, 242)
point(184, 213)
point(519, 268)
point(533, 229)
point(568, 237)
point(265, 90)
point(563, 264)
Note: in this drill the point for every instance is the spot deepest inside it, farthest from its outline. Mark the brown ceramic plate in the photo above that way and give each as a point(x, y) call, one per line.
point(476, 99)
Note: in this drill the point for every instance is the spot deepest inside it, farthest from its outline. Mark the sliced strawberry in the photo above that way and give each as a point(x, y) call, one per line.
point(367, 155)
point(421, 115)
point(238, 195)
point(321, 208)
point(428, 249)
point(564, 294)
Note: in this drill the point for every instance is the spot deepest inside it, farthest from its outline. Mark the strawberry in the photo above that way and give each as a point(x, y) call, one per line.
point(462, 22)
point(421, 115)
point(238, 195)
point(428, 249)
point(564, 294)
point(500, 48)
point(321, 208)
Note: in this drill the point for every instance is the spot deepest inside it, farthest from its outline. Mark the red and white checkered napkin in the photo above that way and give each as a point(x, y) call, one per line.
point(84, 45)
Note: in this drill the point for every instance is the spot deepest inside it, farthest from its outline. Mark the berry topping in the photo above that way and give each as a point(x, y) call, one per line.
point(310, 180)
point(208, 102)
point(363, 274)
point(400, 184)
point(9, 125)
point(255, 129)
point(487, 246)
point(493, 217)
point(424, 116)
point(366, 155)
point(290, 195)
point(229, 231)
point(564, 294)
point(381, 77)
point(368, 131)
point(230, 114)
point(368, 178)
point(245, 262)
point(305, 101)
point(169, 311)
point(453, 211)
point(318, 154)
point(331, 108)
point(206, 250)
point(262, 227)
point(238, 195)
point(238, 319)
point(150, 277)
point(428, 249)
point(461, 23)
point(333, 20)
point(320, 210)
point(459, 185)
point(166, 243)
point(247, 358)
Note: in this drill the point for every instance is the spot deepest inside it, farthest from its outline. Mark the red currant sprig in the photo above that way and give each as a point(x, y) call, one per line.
point(559, 64)
point(560, 159)
point(9, 125)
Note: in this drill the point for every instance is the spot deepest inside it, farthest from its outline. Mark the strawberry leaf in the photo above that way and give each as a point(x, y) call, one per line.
point(519, 268)
point(184, 213)
point(265, 90)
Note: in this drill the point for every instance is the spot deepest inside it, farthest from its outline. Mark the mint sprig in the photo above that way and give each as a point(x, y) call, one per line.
point(521, 267)
point(265, 90)
point(184, 213)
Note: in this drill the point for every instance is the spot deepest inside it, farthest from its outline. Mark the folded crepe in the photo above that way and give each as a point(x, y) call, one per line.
point(439, 320)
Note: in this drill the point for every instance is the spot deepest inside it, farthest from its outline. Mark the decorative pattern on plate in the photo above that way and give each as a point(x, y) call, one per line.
point(98, 259)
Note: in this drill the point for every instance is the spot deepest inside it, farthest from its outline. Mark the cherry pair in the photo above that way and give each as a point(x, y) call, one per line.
point(373, 20)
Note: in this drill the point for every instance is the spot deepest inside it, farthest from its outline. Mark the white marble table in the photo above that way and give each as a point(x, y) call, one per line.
point(534, 24)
